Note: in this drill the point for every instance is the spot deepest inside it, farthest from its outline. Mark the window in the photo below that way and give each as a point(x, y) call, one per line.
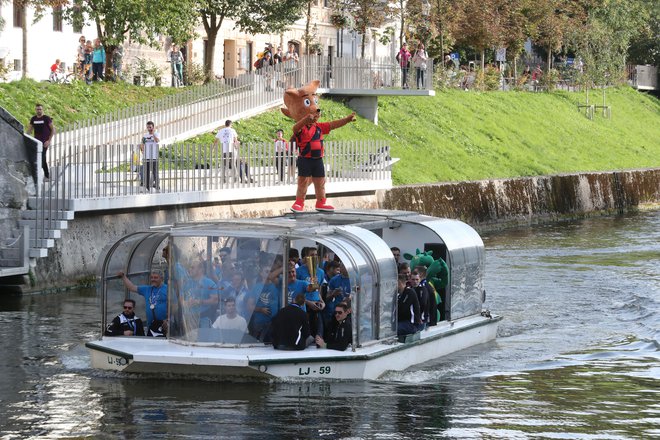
point(57, 18)
point(77, 19)
point(19, 12)
point(17, 65)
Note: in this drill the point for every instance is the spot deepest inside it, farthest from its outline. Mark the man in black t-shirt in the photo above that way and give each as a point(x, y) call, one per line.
point(44, 130)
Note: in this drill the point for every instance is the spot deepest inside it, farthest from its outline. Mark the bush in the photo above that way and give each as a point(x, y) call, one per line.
point(195, 74)
point(488, 79)
point(549, 80)
point(147, 70)
point(4, 70)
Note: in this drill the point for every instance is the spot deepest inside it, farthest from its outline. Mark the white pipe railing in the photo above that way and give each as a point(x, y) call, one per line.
point(116, 170)
point(198, 110)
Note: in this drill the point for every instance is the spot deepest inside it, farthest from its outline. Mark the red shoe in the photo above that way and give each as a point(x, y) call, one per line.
point(322, 206)
point(299, 206)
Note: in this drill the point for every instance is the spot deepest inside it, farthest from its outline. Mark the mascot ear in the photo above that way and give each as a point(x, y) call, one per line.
point(407, 256)
point(291, 103)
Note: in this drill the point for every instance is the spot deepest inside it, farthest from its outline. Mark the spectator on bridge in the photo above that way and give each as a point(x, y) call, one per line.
point(44, 130)
point(149, 149)
point(403, 58)
point(290, 66)
point(420, 60)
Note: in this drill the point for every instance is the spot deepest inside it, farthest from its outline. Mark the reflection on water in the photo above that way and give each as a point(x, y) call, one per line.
point(577, 357)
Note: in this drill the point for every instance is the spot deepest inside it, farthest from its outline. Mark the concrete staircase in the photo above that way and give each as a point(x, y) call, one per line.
point(46, 223)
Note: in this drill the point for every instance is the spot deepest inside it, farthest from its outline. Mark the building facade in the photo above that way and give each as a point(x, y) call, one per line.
point(52, 37)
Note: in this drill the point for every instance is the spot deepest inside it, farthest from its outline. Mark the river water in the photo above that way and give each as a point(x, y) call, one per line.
point(577, 356)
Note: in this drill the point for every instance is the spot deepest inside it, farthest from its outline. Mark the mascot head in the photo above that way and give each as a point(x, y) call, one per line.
point(303, 102)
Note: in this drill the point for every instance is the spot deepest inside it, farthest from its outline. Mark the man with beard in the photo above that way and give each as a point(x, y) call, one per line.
point(126, 323)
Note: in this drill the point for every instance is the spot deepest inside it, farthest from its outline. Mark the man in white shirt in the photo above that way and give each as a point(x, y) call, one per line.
point(231, 320)
point(149, 150)
point(228, 137)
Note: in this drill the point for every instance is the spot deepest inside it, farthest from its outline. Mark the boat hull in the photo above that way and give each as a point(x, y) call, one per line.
point(160, 356)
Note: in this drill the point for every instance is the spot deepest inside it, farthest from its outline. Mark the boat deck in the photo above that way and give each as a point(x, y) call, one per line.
point(122, 353)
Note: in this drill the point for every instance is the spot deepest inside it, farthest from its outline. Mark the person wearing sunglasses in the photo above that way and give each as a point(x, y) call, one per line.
point(126, 323)
point(339, 334)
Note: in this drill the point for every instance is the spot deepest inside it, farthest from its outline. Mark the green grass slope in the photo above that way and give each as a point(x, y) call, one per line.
point(459, 135)
point(67, 103)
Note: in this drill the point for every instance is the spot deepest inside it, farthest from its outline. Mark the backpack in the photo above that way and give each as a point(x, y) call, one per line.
point(398, 57)
point(257, 64)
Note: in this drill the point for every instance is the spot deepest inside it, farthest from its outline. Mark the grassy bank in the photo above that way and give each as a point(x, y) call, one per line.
point(455, 135)
point(67, 103)
point(459, 135)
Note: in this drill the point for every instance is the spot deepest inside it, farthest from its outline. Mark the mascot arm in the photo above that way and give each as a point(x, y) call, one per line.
point(341, 122)
point(309, 119)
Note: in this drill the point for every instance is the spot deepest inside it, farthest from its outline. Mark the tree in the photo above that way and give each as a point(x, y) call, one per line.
point(366, 14)
point(483, 23)
point(552, 21)
point(264, 16)
point(609, 29)
point(142, 21)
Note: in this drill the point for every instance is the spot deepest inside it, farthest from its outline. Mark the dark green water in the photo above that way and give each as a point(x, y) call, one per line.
point(577, 356)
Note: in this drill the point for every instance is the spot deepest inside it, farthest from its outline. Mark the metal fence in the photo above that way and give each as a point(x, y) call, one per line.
point(102, 170)
point(201, 109)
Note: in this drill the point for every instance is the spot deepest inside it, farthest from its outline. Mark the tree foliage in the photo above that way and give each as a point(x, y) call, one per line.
point(253, 17)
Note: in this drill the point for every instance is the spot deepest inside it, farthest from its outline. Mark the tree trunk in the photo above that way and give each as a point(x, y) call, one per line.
point(549, 59)
point(212, 25)
point(306, 36)
point(362, 46)
point(209, 56)
point(402, 23)
point(24, 37)
point(483, 59)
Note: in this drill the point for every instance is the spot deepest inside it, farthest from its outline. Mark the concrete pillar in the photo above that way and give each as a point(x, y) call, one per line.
point(365, 106)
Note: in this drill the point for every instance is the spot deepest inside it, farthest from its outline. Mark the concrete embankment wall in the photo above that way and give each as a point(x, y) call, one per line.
point(498, 203)
point(483, 204)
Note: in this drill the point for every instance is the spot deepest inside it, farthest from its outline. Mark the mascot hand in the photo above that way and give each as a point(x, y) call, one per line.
point(351, 117)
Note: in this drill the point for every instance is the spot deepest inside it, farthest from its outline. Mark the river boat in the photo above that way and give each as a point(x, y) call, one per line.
point(361, 239)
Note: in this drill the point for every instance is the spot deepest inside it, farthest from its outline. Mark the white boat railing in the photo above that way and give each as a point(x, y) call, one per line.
point(116, 170)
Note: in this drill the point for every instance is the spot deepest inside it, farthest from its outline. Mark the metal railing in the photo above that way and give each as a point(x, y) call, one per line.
point(201, 109)
point(116, 170)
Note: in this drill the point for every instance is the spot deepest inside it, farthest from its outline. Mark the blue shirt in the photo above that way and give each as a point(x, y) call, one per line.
point(296, 287)
point(268, 298)
point(200, 289)
point(337, 282)
point(303, 274)
point(98, 55)
point(156, 296)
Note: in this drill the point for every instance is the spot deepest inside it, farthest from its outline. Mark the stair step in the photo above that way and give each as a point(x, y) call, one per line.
point(41, 243)
point(38, 253)
point(49, 224)
point(31, 214)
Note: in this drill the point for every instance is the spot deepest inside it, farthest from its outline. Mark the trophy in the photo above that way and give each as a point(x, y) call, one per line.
point(312, 263)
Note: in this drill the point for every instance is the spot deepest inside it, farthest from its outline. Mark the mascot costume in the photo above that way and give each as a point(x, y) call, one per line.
point(302, 105)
